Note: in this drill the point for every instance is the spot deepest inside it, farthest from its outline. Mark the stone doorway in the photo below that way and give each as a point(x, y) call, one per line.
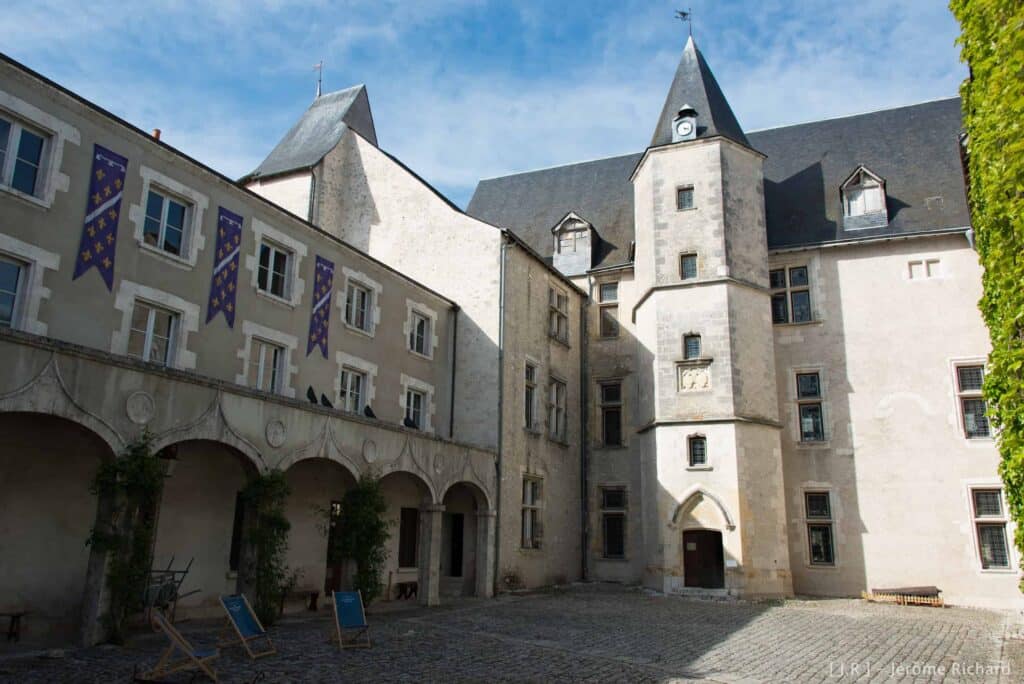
point(703, 559)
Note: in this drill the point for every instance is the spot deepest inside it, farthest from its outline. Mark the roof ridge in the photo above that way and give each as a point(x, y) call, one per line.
point(560, 166)
point(855, 115)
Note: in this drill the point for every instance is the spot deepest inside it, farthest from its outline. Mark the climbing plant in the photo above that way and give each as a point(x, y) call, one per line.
point(266, 532)
point(362, 534)
point(992, 44)
point(128, 489)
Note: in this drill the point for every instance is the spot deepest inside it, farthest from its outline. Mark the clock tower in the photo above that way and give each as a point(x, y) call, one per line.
point(684, 125)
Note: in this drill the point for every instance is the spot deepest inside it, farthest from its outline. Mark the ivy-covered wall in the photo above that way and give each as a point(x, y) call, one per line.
point(992, 44)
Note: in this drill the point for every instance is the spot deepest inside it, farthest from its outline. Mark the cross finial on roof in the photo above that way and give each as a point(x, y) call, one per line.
point(687, 16)
point(319, 69)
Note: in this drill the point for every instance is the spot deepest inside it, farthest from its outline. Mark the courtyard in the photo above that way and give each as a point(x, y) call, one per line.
point(599, 633)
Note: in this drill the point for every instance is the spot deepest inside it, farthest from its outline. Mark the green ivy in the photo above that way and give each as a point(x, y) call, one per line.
point(128, 489)
point(267, 528)
point(362, 534)
point(992, 44)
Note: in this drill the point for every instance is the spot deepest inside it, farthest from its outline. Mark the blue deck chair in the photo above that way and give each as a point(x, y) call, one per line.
point(247, 627)
point(189, 657)
point(350, 619)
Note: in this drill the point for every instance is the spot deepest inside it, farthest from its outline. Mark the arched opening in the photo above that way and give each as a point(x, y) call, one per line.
point(317, 486)
point(200, 521)
point(406, 495)
point(47, 467)
point(460, 526)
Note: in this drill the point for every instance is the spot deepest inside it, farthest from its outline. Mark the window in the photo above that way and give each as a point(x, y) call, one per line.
point(408, 533)
point(151, 334)
point(273, 272)
point(684, 197)
point(358, 303)
point(414, 403)
point(863, 193)
point(530, 397)
point(611, 413)
point(791, 298)
point(419, 334)
point(11, 278)
point(21, 156)
point(265, 366)
point(558, 319)
point(969, 380)
point(570, 240)
point(697, 451)
point(990, 522)
point(237, 526)
point(166, 222)
point(819, 528)
point(532, 532)
point(922, 269)
point(353, 390)
point(691, 346)
point(609, 309)
point(613, 522)
point(556, 410)
point(688, 266)
point(808, 396)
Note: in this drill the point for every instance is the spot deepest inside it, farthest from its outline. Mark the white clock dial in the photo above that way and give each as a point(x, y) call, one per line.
point(684, 127)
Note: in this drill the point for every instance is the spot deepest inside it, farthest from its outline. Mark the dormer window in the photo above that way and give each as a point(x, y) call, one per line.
point(572, 244)
point(863, 196)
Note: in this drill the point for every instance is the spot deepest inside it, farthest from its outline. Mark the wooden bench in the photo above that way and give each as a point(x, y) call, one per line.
point(407, 590)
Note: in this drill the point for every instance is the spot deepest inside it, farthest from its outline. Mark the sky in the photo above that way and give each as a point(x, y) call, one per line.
point(468, 89)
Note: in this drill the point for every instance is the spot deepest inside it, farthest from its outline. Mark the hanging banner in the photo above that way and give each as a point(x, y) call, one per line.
point(224, 283)
point(102, 214)
point(320, 316)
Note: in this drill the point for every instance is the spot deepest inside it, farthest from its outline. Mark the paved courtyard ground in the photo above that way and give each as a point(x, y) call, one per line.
point(603, 633)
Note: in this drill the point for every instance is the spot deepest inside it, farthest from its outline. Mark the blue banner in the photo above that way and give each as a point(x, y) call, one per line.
point(320, 316)
point(224, 282)
point(102, 214)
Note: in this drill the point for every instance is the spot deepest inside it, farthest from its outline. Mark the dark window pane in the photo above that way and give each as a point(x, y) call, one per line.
point(987, 503)
point(780, 308)
point(612, 418)
point(611, 393)
point(992, 543)
point(9, 275)
point(614, 535)
point(821, 544)
point(808, 386)
point(975, 420)
point(31, 148)
point(609, 292)
point(613, 498)
point(24, 177)
point(688, 266)
point(798, 276)
point(172, 240)
point(175, 215)
point(609, 321)
point(811, 429)
point(684, 198)
point(970, 378)
point(691, 347)
point(6, 309)
point(151, 231)
point(698, 451)
point(818, 505)
point(408, 530)
point(155, 207)
point(777, 278)
point(5, 134)
point(801, 306)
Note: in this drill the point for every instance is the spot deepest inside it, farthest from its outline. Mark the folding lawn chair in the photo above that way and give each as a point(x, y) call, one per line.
point(247, 627)
point(190, 657)
point(350, 619)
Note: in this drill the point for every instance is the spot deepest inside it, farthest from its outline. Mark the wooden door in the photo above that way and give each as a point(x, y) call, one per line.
point(703, 562)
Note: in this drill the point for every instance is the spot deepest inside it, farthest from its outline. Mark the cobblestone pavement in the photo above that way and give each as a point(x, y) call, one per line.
point(603, 633)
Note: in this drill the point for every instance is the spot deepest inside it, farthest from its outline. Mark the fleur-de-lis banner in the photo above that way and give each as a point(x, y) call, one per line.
point(320, 316)
point(102, 214)
point(224, 282)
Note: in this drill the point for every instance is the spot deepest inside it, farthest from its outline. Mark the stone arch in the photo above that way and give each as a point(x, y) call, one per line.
point(694, 496)
point(212, 426)
point(392, 469)
point(323, 446)
point(483, 500)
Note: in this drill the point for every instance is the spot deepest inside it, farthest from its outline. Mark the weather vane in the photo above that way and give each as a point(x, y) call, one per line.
point(687, 16)
point(319, 69)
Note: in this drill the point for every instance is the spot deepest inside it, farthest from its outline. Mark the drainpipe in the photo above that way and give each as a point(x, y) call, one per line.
point(451, 387)
point(501, 385)
point(584, 438)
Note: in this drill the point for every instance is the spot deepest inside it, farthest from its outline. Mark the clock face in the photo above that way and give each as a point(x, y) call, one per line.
point(684, 127)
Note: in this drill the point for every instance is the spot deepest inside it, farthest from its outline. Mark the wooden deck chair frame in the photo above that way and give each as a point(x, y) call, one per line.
point(227, 639)
point(354, 641)
point(167, 664)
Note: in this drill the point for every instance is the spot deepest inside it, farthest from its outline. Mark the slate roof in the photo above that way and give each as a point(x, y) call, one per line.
point(914, 148)
point(318, 130)
point(695, 85)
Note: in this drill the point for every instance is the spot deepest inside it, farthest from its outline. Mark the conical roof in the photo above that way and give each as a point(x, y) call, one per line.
point(695, 85)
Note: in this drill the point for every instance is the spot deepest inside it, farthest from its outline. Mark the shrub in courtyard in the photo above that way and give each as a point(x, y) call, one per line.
point(266, 532)
point(362, 534)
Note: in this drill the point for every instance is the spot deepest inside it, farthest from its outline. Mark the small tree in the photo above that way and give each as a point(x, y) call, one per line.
point(362, 534)
point(267, 534)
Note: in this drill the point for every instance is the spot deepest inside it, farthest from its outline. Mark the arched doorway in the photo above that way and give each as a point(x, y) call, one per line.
point(47, 467)
point(459, 535)
point(409, 553)
point(703, 559)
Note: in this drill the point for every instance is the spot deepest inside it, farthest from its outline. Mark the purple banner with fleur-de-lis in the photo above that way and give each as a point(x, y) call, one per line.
point(320, 316)
point(226, 257)
point(102, 214)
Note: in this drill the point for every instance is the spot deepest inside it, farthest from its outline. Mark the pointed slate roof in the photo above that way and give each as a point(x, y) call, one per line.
point(695, 85)
point(318, 130)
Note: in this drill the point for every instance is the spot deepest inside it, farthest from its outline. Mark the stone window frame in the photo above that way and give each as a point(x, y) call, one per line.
point(413, 308)
point(290, 344)
point(930, 269)
point(618, 511)
point(188, 320)
point(809, 521)
point(619, 405)
point(696, 266)
point(960, 396)
point(690, 465)
point(551, 403)
point(556, 296)
point(822, 400)
point(296, 287)
point(682, 188)
point(537, 427)
point(360, 278)
point(534, 508)
point(367, 368)
point(31, 291)
point(604, 306)
point(408, 382)
point(60, 132)
point(1013, 561)
point(197, 203)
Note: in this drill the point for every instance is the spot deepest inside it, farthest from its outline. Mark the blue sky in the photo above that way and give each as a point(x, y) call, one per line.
point(468, 89)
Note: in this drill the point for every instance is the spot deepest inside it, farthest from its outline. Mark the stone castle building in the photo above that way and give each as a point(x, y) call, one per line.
point(736, 362)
